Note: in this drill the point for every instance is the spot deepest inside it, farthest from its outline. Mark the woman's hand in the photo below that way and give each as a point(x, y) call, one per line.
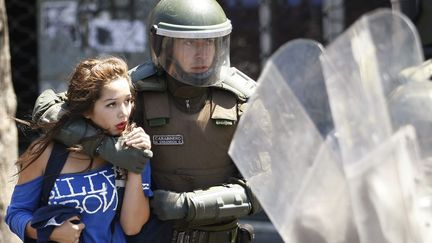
point(68, 232)
point(138, 138)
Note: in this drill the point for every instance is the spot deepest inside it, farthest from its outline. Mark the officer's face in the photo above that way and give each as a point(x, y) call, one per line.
point(112, 110)
point(194, 55)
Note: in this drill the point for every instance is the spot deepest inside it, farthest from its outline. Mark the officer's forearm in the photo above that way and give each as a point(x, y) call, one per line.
point(218, 202)
point(95, 143)
point(73, 133)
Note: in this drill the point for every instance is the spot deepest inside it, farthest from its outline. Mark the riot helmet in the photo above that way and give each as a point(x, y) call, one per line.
point(189, 39)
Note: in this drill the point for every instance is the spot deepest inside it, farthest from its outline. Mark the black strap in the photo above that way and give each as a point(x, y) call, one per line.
point(53, 168)
point(120, 195)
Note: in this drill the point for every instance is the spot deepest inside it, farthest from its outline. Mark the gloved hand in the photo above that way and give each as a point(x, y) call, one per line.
point(169, 205)
point(94, 142)
point(127, 157)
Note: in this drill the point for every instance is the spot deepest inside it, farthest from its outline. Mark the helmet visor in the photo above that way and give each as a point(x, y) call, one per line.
point(196, 62)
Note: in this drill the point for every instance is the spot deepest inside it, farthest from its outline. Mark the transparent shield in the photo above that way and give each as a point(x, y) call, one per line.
point(383, 191)
point(306, 82)
point(322, 211)
point(411, 103)
point(277, 143)
point(361, 68)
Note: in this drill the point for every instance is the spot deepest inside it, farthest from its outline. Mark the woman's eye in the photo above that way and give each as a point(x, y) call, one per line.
point(111, 104)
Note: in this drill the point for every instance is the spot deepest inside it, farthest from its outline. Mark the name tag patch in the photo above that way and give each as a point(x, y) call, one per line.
point(167, 139)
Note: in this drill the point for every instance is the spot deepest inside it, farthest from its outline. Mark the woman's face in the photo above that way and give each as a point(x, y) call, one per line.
point(112, 110)
point(194, 55)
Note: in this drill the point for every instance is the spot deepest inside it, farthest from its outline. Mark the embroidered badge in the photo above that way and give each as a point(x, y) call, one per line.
point(222, 122)
point(167, 139)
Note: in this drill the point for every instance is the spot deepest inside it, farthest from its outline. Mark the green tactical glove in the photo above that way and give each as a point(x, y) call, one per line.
point(94, 142)
point(129, 158)
point(218, 202)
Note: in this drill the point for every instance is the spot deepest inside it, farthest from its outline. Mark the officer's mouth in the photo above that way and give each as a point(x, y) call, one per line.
point(199, 69)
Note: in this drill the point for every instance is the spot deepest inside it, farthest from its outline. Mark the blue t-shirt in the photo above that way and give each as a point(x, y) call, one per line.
point(94, 193)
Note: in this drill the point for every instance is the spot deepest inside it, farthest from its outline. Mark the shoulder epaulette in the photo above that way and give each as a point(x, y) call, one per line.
point(145, 78)
point(238, 83)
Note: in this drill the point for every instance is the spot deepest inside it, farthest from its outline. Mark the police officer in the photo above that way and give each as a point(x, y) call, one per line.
point(189, 101)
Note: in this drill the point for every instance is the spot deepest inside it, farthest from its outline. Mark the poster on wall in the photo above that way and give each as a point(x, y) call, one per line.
point(107, 35)
point(59, 18)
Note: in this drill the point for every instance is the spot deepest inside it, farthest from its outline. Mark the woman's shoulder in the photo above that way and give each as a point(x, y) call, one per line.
point(36, 168)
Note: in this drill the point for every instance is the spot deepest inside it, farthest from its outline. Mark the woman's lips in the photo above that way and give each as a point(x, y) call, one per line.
point(121, 126)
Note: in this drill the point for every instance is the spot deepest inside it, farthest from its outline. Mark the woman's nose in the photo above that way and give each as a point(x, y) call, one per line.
point(123, 111)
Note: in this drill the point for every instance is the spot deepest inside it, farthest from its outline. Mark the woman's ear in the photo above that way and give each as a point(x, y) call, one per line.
point(86, 115)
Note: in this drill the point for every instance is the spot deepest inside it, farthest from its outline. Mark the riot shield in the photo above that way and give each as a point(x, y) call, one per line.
point(411, 104)
point(279, 150)
point(383, 191)
point(307, 82)
point(361, 68)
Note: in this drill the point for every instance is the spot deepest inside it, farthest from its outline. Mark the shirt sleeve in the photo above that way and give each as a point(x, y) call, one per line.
point(146, 180)
point(24, 201)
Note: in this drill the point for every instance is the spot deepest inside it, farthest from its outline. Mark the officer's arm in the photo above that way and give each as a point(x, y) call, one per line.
point(50, 106)
point(227, 201)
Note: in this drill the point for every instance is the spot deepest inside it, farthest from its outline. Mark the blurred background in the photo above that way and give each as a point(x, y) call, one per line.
point(48, 37)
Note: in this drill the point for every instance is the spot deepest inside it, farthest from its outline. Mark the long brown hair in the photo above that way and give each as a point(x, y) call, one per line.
point(85, 88)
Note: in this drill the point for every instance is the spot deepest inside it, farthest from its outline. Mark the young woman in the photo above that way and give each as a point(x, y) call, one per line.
point(100, 90)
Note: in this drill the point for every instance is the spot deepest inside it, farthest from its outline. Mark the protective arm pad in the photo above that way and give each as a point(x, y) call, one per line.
point(218, 202)
point(255, 204)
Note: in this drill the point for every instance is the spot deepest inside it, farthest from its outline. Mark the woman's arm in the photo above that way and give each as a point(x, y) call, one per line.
point(135, 210)
point(25, 201)
point(26, 196)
